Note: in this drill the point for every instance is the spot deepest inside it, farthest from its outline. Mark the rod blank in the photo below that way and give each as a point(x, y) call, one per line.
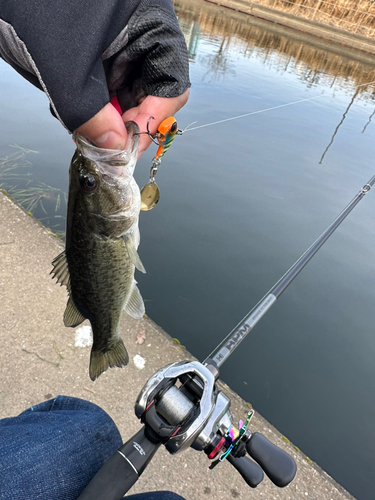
point(236, 336)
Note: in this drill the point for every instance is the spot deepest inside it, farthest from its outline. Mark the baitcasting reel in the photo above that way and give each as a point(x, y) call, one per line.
point(180, 407)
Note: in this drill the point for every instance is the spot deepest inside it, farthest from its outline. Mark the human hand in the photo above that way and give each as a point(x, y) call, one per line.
point(158, 107)
point(137, 54)
point(106, 129)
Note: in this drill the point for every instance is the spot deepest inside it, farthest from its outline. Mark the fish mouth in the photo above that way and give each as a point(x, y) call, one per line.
point(117, 162)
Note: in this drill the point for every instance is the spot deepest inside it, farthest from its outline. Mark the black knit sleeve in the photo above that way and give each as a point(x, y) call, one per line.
point(82, 53)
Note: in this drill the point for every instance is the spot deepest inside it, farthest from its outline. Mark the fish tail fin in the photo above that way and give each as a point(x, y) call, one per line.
point(114, 355)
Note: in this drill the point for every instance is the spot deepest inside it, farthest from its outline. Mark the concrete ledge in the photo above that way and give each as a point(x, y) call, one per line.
point(334, 35)
point(40, 359)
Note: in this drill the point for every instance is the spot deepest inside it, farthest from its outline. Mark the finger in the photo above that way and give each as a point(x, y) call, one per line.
point(159, 108)
point(106, 129)
point(163, 107)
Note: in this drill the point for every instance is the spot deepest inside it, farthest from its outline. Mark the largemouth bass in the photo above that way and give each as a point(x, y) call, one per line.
point(102, 238)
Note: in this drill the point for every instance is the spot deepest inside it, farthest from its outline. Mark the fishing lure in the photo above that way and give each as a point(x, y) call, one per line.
point(164, 136)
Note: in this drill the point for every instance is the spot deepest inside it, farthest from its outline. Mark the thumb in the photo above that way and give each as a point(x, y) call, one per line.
point(105, 129)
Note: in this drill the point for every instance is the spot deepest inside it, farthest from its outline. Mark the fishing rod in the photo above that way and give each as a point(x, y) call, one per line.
point(235, 337)
point(181, 406)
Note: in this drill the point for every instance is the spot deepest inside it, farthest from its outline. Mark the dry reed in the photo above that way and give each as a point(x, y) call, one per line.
point(311, 63)
point(355, 16)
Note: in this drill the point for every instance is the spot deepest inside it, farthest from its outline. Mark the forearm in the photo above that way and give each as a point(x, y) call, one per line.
point(83, 53)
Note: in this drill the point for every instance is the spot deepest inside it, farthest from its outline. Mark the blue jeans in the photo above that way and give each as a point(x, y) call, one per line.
point(52, 450)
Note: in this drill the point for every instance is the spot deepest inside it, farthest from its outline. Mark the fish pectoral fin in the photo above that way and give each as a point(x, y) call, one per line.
point(72, 317)
point(114, 355)
point(60, 270)
point(135, 306)
point(133, 255)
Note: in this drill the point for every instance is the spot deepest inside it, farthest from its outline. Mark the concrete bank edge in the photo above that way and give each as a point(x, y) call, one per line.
point(344, 39)
point(310, 476)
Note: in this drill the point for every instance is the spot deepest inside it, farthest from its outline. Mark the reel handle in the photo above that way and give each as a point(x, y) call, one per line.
point(276, 463)
point(121, 470)
point(249, 470)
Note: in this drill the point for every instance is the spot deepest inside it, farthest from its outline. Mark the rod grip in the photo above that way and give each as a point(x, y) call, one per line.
point(276, 463)
point(249, 470)
point(121, 470)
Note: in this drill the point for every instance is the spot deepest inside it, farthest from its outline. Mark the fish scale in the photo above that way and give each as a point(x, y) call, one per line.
point(100, 256)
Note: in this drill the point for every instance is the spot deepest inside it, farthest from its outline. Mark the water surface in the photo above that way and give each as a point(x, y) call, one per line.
point(240, 202)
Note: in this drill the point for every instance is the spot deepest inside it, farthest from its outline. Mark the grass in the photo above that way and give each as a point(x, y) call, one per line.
point(32, 196)
point(36, 197)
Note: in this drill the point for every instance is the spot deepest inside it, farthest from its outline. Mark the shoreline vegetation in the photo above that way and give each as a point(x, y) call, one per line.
point(267, 35)
point(353, 16)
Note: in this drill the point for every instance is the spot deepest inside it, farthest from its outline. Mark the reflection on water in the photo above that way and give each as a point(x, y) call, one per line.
point(241, 201)
point(230, 33)
point(313, 66)
point(357, 90)
point(300, 355)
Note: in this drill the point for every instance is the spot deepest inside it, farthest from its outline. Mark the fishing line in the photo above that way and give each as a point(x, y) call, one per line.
point(150, 193)
point(249, 114)
point(187, 129)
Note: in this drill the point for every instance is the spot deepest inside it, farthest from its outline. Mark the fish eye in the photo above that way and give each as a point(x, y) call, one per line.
point(174, 127)
point(89, 182)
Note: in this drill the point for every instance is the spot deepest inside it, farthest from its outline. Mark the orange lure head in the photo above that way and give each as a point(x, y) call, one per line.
point(167, 131)
point(168, 127)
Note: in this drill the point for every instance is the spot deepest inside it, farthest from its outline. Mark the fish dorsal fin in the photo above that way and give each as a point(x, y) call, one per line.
point(133, 255)
point(135, 306)
point(60, 270)
point(72, 317)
